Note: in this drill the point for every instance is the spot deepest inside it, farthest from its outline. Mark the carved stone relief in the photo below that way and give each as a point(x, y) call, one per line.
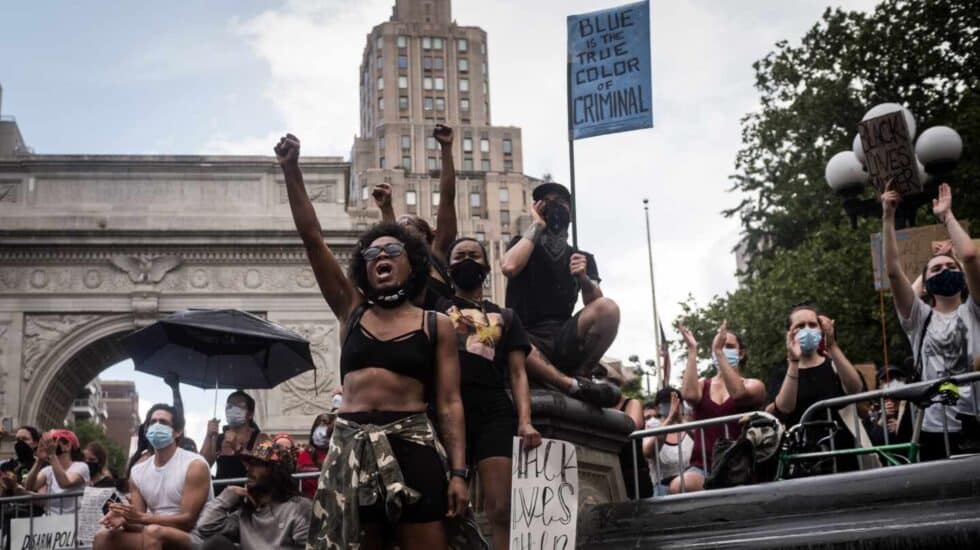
point(143, 268)
point(3, 371)
point(42, 332)
point(298, 396)
point(9, 191)
point(323, 192)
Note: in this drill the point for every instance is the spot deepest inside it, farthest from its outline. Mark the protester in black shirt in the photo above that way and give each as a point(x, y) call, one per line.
point(545, 276)
point(492, 347)
point(817, 369)
point(439, 284)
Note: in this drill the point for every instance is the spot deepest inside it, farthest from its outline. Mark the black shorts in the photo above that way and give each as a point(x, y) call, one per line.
point(421, 467)
point(491, 424)
point(558, 341)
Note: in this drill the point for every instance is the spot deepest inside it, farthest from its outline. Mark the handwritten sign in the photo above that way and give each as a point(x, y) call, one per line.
point(609, 86)
point(90, 511)
point(544, 496)
point(50, 533)
point(889, 154)
point(915, 248)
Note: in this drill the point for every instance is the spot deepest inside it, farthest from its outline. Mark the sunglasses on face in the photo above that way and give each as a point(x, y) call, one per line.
point(393, 250)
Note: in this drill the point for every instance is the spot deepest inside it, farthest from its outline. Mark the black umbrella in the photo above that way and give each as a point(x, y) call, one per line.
point(223, 348)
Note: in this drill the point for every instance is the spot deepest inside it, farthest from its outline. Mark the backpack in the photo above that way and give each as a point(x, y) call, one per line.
point(749, 459)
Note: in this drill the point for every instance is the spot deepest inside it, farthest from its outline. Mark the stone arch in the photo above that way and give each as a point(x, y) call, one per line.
point(77, 357)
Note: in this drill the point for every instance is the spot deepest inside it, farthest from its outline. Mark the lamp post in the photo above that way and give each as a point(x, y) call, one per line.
point(635, 360)
point(937, 151)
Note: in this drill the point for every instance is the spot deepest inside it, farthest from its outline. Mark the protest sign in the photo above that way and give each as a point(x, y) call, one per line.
point(609, 86)
point(50, 533)
point(90, 512)
point(889, 154)
point(915, 247)
point(544, 496)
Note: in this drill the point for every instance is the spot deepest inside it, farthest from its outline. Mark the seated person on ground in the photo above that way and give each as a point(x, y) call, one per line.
point(545, 275)
point(167, 492)
point(267, 513)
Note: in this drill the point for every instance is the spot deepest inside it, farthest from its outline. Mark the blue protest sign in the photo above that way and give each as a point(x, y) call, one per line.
point(609, 84)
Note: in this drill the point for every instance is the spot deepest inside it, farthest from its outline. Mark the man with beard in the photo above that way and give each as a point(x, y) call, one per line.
point(545, 275)
point(267, 513)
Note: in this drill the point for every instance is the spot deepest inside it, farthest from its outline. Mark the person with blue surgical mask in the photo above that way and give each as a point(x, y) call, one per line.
point(817, 369)
point(724, 394)
point(240, 434)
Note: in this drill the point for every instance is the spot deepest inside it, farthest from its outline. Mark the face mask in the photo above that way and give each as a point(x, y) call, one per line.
point(321, 437)
point(732, 356)
point(946, 283)
point(338, 400)
point(468, 274)
point(393, 298)
point(24, 451)
point(160, 435)
point(235, 416)
point(58, 451)
point(93, 468)
point(557, 217)
point(893, 384)
point(809, 339)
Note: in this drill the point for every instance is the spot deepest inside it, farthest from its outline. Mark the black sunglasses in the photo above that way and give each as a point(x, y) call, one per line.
point(393, 250)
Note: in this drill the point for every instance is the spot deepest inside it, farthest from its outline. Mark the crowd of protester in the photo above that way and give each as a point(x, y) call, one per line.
point(435, 386)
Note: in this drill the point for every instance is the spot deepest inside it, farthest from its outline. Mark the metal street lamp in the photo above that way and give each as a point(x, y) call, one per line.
point(635, 360)
point(938, 149)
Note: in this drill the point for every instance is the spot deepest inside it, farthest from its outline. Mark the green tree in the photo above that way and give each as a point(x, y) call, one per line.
point(87, 432)
point(924, 54)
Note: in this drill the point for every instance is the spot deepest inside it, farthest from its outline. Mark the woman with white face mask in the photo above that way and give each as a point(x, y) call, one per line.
point(240, 434)
point(311, 458)
point(817, 369)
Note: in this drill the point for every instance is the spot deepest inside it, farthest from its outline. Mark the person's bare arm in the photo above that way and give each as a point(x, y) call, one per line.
point(446, 229)
point(382, 199)
point(197, 485)
point(33, 482)
point(902, 292)
point(450, 410)
point(66, 480)
point(745, 393)
point(517, 256)
point(690, 385)
point(849, 376)
point(785, 401)
point(963, 246)
point(530, 437)
point(578, 266)
point(337, 289)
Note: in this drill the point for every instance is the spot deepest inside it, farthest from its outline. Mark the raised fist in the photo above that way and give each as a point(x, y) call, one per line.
point(287, 151)
point(443, 134)
point(382, 195)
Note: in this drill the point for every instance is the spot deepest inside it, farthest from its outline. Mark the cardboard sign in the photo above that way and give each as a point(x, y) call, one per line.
point(609, 86)
point(915, 247)
point(544, 496)
point(889, 154)
point(50, 533)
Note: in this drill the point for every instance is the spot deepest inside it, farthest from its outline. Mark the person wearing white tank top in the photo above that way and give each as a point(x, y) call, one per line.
point(167, 492)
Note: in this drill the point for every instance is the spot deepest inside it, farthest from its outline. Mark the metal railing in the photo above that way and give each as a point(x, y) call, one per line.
point(34, 506)
point(699, 426)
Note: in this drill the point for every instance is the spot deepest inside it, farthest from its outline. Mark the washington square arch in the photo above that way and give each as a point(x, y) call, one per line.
point(93, 247)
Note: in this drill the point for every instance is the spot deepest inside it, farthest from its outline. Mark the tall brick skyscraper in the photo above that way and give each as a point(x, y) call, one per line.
point(420, 68)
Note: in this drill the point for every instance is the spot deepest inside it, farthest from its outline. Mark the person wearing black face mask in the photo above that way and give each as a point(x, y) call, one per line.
point(545, 275)
point(944, 337)
point(492, 348)
point(97, 458)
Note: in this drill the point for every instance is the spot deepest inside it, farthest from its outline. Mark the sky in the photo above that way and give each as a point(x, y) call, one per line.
point(229, 77)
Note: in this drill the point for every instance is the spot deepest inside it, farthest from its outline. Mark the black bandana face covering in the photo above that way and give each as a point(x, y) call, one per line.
point(557, 217)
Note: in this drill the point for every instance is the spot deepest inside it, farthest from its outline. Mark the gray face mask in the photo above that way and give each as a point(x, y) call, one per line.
point(235, 416)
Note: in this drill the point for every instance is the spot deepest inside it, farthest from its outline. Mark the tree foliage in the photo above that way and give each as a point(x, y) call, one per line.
point(923, 54)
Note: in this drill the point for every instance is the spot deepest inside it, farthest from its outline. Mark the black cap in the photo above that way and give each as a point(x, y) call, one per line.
point(550, 187)
point(893, 371)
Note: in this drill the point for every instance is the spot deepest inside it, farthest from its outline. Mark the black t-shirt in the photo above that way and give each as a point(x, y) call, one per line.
point(545, 289)
point(485, 334)
point(816, 384)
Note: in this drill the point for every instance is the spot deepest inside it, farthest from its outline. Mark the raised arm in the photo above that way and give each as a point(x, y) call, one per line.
point(516, 257)
point(785, 401)
point(963, 246)
point(902, 291)
point(746, 393)
point(690, 385)
point(382, 198)
point(446, 229)
point(849, 376)
point(578, 266)
point(337, 289)
point(449, 406)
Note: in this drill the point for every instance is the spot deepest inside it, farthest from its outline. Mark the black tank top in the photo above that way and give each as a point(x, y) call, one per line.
point(411, 354)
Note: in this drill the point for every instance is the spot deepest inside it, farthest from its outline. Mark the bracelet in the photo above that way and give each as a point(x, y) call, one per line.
point(532, 232)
